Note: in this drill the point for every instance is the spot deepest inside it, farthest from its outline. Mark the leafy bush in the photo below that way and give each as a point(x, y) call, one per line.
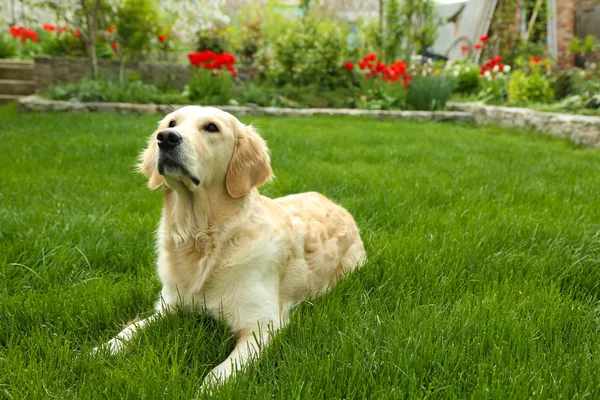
point(535, 88)
point(138, 23)
point(310, 52)
point(63, 44)
point(8, 46)
point(250, 42)
point(466, 77)
point(494, 91)
point(105, 91)
point(257, 94)
point(429, 92)
point(213, 40)
point(564, 83)
point(210, 87)
point(531, 84)
point(378, 95)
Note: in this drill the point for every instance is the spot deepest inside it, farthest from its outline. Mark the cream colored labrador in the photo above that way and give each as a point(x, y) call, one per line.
point(225, 249)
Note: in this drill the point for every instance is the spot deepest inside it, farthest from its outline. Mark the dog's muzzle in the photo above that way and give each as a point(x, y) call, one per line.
point(168, 139)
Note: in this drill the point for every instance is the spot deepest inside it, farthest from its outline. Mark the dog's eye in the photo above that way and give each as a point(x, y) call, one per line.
point(172, 124)
point(211, 128)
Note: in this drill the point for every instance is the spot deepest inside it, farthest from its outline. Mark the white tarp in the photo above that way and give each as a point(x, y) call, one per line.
point(471, 20)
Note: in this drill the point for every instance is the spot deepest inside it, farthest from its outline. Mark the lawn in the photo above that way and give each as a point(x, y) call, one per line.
point(483, 277)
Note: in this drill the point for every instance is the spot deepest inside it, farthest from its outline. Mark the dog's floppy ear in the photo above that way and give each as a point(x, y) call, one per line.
point(250, 165)
point(147, 165)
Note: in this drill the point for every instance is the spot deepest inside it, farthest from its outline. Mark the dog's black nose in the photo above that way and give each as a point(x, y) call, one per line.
point(168, 139)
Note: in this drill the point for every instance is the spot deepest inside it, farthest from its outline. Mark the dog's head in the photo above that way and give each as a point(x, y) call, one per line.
point(204, 146)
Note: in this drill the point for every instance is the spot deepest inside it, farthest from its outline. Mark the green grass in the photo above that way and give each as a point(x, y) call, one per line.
point(483, 277)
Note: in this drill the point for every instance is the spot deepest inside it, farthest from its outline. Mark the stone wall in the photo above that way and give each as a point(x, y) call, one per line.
point(581, 130)
point(56, 70)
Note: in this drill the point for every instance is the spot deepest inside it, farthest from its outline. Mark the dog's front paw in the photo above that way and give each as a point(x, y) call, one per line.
point(113, 346)
point(217, 376)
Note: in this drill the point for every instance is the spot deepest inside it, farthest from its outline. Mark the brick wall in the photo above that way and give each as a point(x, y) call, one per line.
point(56, 70)
point(565, 21)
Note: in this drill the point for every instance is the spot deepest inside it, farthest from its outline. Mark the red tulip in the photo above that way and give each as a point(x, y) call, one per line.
point(484, 38)
point(76, 32)
point(114, 45)
point(111, 29)
point(49, 27)
point(478, 46)
point(349, 65)
point(161, 38)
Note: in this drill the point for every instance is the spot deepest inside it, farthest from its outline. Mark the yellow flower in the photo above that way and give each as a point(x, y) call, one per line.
point(437, 72)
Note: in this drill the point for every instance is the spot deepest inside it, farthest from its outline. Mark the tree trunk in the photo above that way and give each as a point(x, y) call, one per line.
point(91, 51)
point(90, 40)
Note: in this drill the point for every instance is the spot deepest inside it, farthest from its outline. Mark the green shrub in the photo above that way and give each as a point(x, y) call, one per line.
point(315, 96)
point(310, 52)
point(8, 46)
point(377, 94)
point(210, 87)
point(429, 92)
point(105, 91)
point(214, 40)
point(494, 91)
point(257, 94)
point(564, 84)
point(63, 44)
point(138, 23)
point(529, 88)
point(466, 77)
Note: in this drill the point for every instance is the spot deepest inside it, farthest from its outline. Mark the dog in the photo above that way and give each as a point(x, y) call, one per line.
point(226, 250)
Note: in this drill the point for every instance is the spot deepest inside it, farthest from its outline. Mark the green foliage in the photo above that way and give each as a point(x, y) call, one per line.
point(106, 91)
point(64, 44)
point(583, 46)
point(250, 43)
point(310, 52)
point(214, 39)
point(260, 95)
point(377, 94)
point(28, 49)
point(429, 93)
point(138, 23)
point(395, 31)
point(564, 83)
point(466, 76)
point(532, 87)
point(410, 28)
point(8, 46)
point(210, 87)
point(494, 91)
point(315, 96)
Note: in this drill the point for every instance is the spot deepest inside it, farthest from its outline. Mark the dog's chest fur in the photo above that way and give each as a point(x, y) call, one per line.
point(230, 275)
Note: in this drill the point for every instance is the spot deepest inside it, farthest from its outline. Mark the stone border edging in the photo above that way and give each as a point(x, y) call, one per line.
point(580, 129)
point(35, 103)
